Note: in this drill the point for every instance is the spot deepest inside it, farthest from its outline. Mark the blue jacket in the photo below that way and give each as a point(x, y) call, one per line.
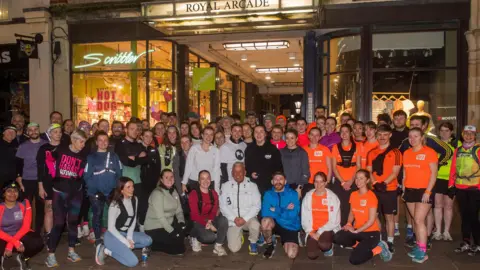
point(98, 177)
point(275, 206)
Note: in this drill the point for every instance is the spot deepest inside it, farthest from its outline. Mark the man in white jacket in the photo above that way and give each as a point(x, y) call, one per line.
point(240, 203)
point(320, 218)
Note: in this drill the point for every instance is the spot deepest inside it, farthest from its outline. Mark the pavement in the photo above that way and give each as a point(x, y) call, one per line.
point(441, 257)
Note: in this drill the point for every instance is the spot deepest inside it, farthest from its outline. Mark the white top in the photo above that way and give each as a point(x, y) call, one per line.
point(113, 213)
point(333, 223)
point(230, 153)
point(240, 200)
point(198, 160)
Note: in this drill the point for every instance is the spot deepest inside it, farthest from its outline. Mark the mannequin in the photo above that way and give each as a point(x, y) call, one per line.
point(348, 107)
point(421, 111)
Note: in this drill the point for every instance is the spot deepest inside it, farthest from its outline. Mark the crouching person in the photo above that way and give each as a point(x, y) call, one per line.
point(280, 212)
point(121, 239)
point(15, 233)
point(240, 203)
point(165, 222)
point(320, 218)
point(208, 226)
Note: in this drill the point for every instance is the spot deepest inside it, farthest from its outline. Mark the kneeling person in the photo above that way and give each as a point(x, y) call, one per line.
point(280, 212)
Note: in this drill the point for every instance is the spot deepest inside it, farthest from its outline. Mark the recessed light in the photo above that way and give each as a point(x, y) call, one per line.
point(244, 57)
point(255, 46)
point(268, 77)
point(279, 70)
point(301, 21)
point(253, 65)
point(292, 56)
point(296, 64)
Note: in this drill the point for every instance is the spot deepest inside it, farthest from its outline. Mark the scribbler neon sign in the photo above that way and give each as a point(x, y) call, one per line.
point(123, 58)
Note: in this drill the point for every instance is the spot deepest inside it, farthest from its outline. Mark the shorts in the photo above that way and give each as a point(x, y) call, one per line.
point(414, 195)
point(286, 236)
point(441, 187)
point(387, 202)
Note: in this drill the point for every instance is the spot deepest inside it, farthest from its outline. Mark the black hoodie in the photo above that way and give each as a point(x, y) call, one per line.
point(263, 160)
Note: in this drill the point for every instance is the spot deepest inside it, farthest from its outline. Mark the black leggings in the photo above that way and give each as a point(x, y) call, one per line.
point(84, 208)
point(31, 193)
point(344, 196)
point(32, 241)
point(324, 244)
point(469, 202)
point(171, 243)
point(367, 241)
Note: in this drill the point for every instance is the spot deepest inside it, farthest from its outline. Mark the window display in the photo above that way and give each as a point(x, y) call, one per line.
point(110, 80)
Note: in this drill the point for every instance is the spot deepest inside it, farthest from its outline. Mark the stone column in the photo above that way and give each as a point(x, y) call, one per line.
point(473, 39)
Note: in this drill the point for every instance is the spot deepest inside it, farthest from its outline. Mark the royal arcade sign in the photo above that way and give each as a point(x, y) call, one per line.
point(217, 6)
point(99, 59)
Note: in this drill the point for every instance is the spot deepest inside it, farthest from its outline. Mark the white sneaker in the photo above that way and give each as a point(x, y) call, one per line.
point(437, 236)
point(79, 232)
point(196, 245)
point(219, 250)
point(447, 236)
point(86, 230)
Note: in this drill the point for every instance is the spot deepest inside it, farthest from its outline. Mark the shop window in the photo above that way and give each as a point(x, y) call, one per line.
point(243, 91)
point(161, 57)
point(412, 67)
point(105, 95)
point(225, 85)
point(5, 6)
point(199, 101)
point(161, 96)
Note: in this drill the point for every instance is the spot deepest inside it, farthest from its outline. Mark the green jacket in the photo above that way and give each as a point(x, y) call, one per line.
point(163, 207)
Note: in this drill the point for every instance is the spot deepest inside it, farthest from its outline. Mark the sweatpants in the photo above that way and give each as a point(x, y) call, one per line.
point(172, 243)
point(121, 252)
point(469, 204)
point(234, 234)
point(32, 241)
point(207, 236)
point(323, 244)
point(344, 196)
point(98, 207)
point(367, 241)
point(65, 206)
point(31, 193)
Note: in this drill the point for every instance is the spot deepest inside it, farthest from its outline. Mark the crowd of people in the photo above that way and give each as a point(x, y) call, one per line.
point(309, 185)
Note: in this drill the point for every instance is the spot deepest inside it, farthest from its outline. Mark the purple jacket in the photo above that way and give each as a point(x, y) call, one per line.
point(329, 140)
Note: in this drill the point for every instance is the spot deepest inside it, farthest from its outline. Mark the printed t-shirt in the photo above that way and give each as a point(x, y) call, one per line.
point(12, 219)
point(317, 159)
point(360, 205)
point(417, 168)
point(364, 148)
point(319, 211)
point(346, 173)
point(392, 158)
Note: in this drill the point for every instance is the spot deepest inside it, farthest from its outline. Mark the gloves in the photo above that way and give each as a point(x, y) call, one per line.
point(451, 192)
point(380, 187)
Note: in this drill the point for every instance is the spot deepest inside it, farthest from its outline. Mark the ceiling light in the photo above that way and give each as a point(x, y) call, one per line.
point(279, 70)
point(268, 77)
point(301, 21)
point(296, 64)
point(255, 46)
point(253, 65)
point(272, 81)
point(291, 56)
point(244, 57)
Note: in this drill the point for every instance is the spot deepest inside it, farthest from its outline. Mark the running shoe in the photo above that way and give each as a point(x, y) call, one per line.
point(22, 262)
point(91, 237)
point(410, 241)
point(100, 254)
point(196, 245)
point(51, 261)
point(437, 236)
point(219, 250)
point(2, 259)
point(253, 249)
point(463, 247)
point(473, 250)
point(397, 232)
point(385, 255)
point(447, 236)
point(391, 247)
point(269, 251)
point(328, 253)
point(261, 240)
point(86, 230)
point(414, 251)
point(420, 256)
point(73, 256)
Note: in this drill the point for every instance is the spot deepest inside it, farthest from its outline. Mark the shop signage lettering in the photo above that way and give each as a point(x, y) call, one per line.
point(227, 5)
point(123, 58)
point(5, 57)
point(106, 100)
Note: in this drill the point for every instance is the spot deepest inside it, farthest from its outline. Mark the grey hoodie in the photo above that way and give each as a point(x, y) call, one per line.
point(295, 165)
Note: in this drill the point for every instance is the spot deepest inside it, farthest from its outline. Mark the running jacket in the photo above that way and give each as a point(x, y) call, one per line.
point(296, 165)
point(102, 171)
point(27, 222)
point(8, 167)
point(240, 200)
point(151, 170)
point(131, 168)
point(275, 205)
point(264, 160)
point(333, 213)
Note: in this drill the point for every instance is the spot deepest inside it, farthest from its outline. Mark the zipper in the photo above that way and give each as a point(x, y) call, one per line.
point(279, 200)
point(238, 199)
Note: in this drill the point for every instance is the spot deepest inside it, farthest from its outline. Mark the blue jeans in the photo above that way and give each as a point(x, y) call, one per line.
point(121, 252)
point(97, 211)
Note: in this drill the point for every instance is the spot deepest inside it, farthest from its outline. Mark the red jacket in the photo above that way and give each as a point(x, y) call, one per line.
point(208, 212)
point(27, 222)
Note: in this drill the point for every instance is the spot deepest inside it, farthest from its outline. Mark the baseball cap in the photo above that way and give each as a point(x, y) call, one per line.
point(270, 117)
point(33, 124)
point(52, 127)
point(470, 128)
point(9, 127)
